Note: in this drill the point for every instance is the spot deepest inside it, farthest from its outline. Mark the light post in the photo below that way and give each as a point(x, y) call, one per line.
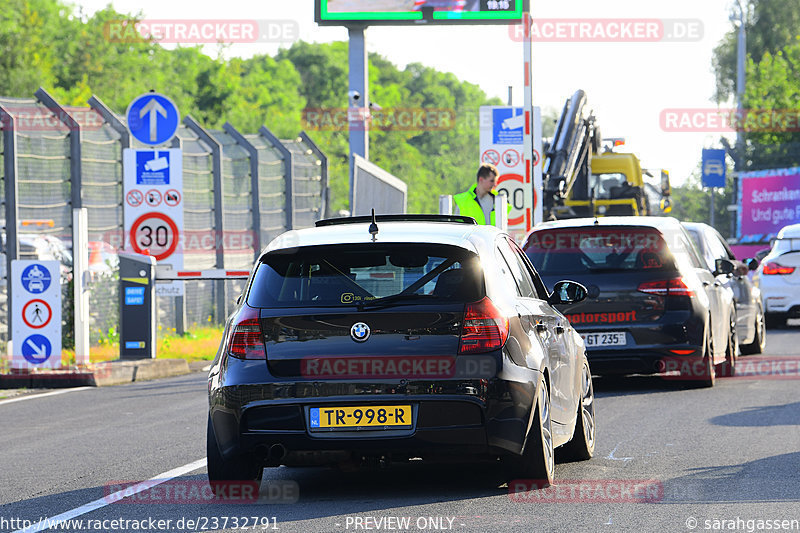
point(739, 19)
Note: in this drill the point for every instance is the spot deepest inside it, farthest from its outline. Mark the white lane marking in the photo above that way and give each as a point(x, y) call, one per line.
point(32, 396)
point(57, 521)
point(611, 455)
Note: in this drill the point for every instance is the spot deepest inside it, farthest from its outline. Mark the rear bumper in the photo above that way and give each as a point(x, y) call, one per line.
point(779, 296)
point(451, 417)
point(651, 348)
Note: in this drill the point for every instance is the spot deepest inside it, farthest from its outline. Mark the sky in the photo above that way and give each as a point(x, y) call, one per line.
point(628, 84)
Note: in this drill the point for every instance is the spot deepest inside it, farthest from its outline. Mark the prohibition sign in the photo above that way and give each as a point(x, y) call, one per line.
point(153, 197)
point(134, 198)
point(139, 223)
point(511, 158)
point(40, 314)
point(491, 156)
point(172, 198)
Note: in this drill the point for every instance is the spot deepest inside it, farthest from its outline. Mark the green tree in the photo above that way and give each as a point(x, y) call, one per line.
point(773, 88)
point(691, 202)
point(26, 56)
point(770, 25)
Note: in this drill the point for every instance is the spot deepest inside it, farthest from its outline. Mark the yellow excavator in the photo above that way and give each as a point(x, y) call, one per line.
point(583, 175)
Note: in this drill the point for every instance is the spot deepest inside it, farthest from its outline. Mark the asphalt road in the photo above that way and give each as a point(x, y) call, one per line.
point(728, 453)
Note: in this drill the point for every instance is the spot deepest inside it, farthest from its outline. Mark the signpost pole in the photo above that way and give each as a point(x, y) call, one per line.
point(358, 98)
point(527, 107)
point(80, 257)
point(713, 221)
point(11, 209)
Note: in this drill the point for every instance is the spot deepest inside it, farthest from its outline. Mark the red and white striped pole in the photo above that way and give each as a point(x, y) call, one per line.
point(534, 198)
point(217, 273)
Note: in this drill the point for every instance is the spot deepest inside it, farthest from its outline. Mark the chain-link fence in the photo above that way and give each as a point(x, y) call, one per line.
point(240, 190)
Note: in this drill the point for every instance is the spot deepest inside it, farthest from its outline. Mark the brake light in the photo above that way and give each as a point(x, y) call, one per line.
point(771, 269)
point(245, 340)
point(666, 287)
point(485, 328)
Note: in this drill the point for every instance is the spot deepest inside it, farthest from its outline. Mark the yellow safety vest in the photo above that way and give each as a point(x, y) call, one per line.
point(469, 205)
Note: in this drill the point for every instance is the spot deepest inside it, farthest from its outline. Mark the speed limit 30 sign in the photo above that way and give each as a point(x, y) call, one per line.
point(154, 225)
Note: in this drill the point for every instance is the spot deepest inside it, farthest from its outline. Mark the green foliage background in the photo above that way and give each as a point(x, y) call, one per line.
point(46, 43)
point(772, 87)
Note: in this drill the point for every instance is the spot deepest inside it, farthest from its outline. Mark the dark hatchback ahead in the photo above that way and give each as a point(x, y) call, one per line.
point(413, 337)
point(651, 303)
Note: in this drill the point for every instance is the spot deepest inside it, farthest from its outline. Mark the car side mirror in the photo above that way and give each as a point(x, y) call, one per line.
point(752, 263)
point(723, 266)
point(567, 292)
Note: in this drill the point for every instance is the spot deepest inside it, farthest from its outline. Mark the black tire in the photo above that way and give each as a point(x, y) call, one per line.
point(728, 367)
point(538, 458)
point(709, 375)
point(581, 446)
point(759, 338)
point(221, 470)
point(775, 320)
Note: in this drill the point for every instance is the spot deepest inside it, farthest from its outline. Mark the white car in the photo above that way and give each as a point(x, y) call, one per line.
point(778, 277)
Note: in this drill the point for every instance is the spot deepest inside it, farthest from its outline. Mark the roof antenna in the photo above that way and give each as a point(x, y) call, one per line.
point(373, 228)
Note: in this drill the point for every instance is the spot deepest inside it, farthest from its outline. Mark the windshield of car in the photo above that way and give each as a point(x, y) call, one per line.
point(341, 275)
point(608, 185)
point(579, 250)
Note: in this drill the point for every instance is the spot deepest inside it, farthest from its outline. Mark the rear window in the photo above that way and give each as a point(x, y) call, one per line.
point(786, 244)
point(580, 250)
point(346, 275)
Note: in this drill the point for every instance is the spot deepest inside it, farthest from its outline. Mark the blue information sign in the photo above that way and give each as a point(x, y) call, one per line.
point(36, 278)
point(507, 125)
point(152, 119)
point(36, 349)
point(713, 167)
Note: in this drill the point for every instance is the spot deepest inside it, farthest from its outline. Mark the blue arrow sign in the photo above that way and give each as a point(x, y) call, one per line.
point(152, 119)
point(36, 278)
point(36, 349)
point(713, 168)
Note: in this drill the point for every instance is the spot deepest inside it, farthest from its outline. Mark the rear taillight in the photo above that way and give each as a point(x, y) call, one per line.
point(245, 340)
point(485, 328)
point(666, 287)
point(772, 269)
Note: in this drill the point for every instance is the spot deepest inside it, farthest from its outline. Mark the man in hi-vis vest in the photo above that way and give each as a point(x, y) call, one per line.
point(478, 201)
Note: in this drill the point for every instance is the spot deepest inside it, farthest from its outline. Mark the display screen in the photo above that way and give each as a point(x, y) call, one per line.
point(400, 12)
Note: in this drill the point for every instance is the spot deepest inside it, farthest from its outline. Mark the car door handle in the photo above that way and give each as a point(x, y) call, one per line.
point(559, 330)
point(541, 327)
point(717, 284)
point(706, 283)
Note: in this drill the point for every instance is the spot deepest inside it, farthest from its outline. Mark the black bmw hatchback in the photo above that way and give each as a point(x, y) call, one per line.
point(407, 336)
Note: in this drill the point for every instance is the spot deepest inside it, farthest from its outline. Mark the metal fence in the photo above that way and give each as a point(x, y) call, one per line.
point(240, 191)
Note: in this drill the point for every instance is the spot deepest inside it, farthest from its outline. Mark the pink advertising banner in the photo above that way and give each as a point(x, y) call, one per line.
point(769, 200)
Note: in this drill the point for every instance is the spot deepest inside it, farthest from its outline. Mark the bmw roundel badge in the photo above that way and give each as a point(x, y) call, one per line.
point(359, 331)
